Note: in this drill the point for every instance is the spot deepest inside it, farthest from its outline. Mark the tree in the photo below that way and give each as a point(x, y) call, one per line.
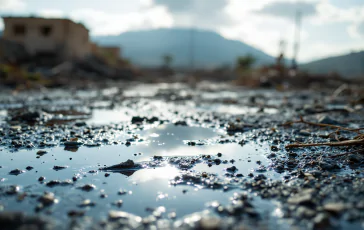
point(167, 61)
point(245, 62)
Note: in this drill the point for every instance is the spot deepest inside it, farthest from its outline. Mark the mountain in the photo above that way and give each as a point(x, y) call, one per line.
point(210, 49)
point(349, 65)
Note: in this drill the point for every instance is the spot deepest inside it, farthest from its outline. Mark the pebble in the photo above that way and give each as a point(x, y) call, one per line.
point(88, 187)
point(16, 172)
point(47, 199)
point(76, 213)
point(87, 203)
point(57, 167)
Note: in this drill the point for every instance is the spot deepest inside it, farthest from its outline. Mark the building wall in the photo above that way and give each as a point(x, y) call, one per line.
point(78, 43)
point(66, 38)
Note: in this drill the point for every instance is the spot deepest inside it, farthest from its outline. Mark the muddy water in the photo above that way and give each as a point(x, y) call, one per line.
point(191, 123)
point(144, 188)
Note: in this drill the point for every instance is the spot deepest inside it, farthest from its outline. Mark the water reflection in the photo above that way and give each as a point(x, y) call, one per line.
point(145, 175)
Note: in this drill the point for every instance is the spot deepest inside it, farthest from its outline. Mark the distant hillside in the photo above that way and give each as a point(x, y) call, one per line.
point(147, 47)
point(349, 66)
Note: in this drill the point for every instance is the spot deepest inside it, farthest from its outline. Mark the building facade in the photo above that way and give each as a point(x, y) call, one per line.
point(61, 37)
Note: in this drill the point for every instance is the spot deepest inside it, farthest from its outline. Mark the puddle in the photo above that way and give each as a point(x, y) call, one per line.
point(184, 136)
point(105, 116)
point(144, 188)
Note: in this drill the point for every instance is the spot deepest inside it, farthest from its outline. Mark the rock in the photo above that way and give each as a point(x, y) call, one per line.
point(304, 133)
point(217, 161)
point(16, 172)
point(57, 167)
point(88, 187)
point(57, 182)
point(136, 120)
point(122, 192)
point(209, 223)
point(328, 166)
point(76, 213)
point(301, 199)
point(128, 220)
point(354, 158)
point(118, 203)
point(87, 203)
point(321, 221)
point(274, 148)
point(72, 144)
point(335, 208)
point(29, 168)
point(219, 154)
point(27, 116)
point(129, 164)
point(180, 123)
point(12, 190)
point(80, 124)
point(327, 120)
point(47, 199)
point(231, 169)
point(42, 178)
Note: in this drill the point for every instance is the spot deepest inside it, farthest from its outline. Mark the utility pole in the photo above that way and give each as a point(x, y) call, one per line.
point(296, 44)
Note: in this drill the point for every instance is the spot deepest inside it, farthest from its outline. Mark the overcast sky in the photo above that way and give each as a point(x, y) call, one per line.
point(329, 27)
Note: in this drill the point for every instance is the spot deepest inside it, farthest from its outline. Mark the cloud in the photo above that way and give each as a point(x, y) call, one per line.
point(51, 13)
point(103, 23)
point(206, 14)
point(12, 5)
point(360, 28)
point(288, 9)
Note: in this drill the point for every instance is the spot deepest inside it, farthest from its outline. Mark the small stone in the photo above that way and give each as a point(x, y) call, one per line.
point(88, 187)
point(76, 213)
point(322, 221)
point(42, 178)
point(274, 148)
point(87, 203)
point(107, 174)
point(47, 199)
point(172, 215)
point(16, 172)
point(300, 199)
point(73, 143)
point(12, 190)
point(29, 168)
point(57, 167)
point(41, 152)
point(219, 154)
point(327, 120)
point(118, 203)
point(103, 195)
point(335, 208)
point(231, 169)
point(217, 161)
point(122, 192)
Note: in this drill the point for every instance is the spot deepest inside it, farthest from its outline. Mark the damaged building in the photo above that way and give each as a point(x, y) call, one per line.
point(48, 37)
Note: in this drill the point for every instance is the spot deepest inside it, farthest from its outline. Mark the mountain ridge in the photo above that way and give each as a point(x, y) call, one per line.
point(146, 47)
point(349, 65)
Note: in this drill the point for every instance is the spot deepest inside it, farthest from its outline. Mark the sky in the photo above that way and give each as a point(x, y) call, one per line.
point(329, 27)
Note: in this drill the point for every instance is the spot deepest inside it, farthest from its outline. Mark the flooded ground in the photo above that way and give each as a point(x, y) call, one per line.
point(172, 156)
